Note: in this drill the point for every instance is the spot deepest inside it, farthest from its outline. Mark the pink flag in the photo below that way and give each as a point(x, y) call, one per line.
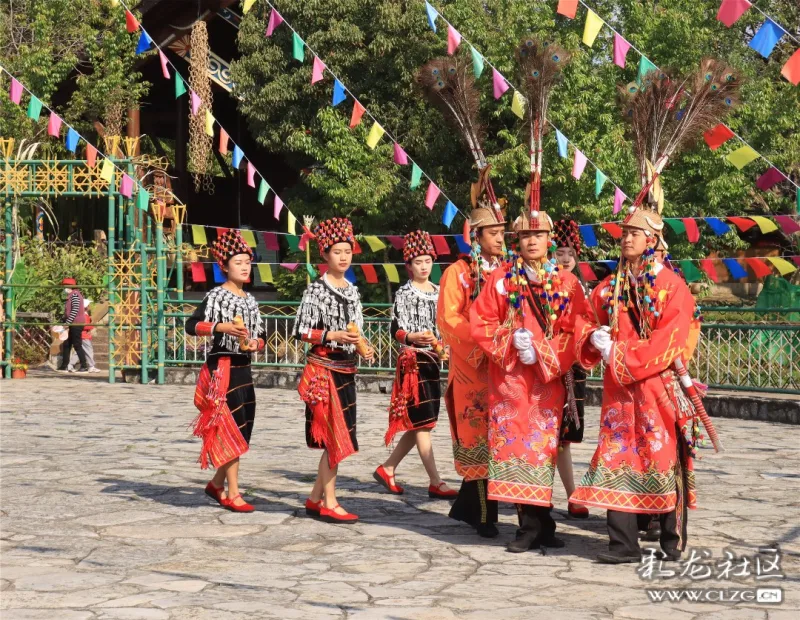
point(431, 195)
point(731, 10)
point(276, 209)
point(787, 223)
point(619, 198)
point(771, 177)
point(621, 47)
point(453, 40)
point(499, 84)
point(316, 71)
point(164, 67)
point(196, 101)
point(16, 91)
point(126, 186)
point(91, 155)
point(275, 20)
point(579, 164)
point(54, 125)
point(400, 157)
point(251, 175)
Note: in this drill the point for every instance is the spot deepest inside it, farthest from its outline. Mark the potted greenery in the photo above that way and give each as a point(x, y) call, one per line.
point(19, 369)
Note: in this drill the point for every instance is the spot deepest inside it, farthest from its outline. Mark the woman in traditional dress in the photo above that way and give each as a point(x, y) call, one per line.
point(330, 320)
point(568, 244)
point(225, 395)
point(416, 392)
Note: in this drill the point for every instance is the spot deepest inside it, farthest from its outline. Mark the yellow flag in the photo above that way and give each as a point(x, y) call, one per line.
point(199, 235)
point(374, 243)
point(107, 171)
point(375, 135)
point(248, 237)
point(265, 273)
point(591, 28)
point(248, 4)
point(291, 224)
point(742, 156)
point(209, 123)
point(766, 225)
point(782, 265)
point(391, 272)
point(518, 104)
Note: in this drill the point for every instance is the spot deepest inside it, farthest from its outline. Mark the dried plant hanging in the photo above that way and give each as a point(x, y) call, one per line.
point(200, 143)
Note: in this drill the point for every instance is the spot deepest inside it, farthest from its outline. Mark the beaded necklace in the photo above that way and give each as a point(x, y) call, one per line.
point(628, 291)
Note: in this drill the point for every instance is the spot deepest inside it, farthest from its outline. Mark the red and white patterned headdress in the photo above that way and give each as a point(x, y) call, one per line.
point(417, 243)
point(566, 233)
point(335, 230)
point(229, 245)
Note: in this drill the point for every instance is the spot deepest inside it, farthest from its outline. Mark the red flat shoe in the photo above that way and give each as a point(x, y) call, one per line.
point(230, 505)
point(313, 508)
point(386, 480)
point(576, 511)
point(215, 493)
point(329, 515)
point(436, 492)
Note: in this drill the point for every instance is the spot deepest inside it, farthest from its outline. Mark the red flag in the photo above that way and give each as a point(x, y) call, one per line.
point(587, 272)
point(322, 269)
point(796, 259)
point(221, 231)
point(707, 265)
point(787, 223)
point(396, 241)
point(567, 8)
point(692, 232)
point(132, 25)
point(440, 244)
point(465, 232)
point(791, 70)
point(614, 230)
point(91, 155)
point(717, 136)
point(732, 10)
point(271, 241)
point(759, 267)
point(742, 223)
point(198, 272)
point(358, 112)
point(370, 274)
point(223, 141)
point(356, 247)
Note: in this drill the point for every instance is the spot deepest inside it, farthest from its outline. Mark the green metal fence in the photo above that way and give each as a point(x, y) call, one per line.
point(746, 356)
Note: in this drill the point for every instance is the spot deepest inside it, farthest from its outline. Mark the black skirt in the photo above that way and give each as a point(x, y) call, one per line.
point(426, 413)
point(569, 432)
point(241, 397)
point(346, 389)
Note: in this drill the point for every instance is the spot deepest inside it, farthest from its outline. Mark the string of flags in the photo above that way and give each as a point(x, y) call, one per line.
point(720, 134)
point(72, 139)
point(683, 227)
point(715, 268)
point(766, 37)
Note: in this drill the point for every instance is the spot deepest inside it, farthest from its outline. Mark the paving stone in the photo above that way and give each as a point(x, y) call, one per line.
point(129, 533)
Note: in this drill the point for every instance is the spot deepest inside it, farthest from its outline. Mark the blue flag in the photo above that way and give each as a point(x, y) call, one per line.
point(463, 246)
point(338, 92)
point(350, 275)
point(766, 38)
point(144, 43)
point(432, 15)
point(562, 143)
point(717, 225)
point(219, 277)
point(237, 157)
point(737, 271)
point(589, 238)
point(72, 140)
point(449, 213)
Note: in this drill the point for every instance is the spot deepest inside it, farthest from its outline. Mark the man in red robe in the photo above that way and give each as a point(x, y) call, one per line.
point(643, 461)
point(524, 321)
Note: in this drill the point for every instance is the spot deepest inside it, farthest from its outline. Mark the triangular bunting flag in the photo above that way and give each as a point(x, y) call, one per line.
point(453, 40)
point(432, 15)
point(717, 136)
point(275, 20)
point(317, 70)
point(416, 176)
point(180, 86)
point(263, 188)
point(731, 10)
point(199, 235)
point(34, 108)
point(339, 94)
point(499, 84)
point(370, 275)
point(591, 28)
point(375, 134)
point(449, 214)
point(767, 37)
point(91, 155)
point(391, 273)
point(477, 62)
point(298, 48)
point(783, 266)
point(431, 195)
point(358, 112)
point(567, 8)
point(707, 265)
point(599, 180)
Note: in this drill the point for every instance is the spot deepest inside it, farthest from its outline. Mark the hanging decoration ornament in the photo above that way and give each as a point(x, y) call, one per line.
point(200, 143)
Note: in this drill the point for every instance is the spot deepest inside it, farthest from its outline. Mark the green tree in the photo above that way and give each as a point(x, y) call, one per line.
point(375, 47)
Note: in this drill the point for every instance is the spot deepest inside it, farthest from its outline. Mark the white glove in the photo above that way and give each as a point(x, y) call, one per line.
point(522, 340)
point(601, 340)
point(528, 356)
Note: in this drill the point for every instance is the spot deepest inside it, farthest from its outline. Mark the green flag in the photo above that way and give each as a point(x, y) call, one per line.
point(262, 191)
point(416, 175)
point(180, 87)
point(599, 180)
point(298, 47)
point(34, 108)
point(690, 272)
point(477, 62)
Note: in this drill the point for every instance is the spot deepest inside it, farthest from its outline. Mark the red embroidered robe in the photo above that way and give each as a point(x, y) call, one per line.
point(526, 403)
point(636, 467)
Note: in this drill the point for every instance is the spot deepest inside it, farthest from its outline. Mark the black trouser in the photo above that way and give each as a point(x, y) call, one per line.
point(623, 531)
point(472, 506)
point(535, 522)
point(73, 341)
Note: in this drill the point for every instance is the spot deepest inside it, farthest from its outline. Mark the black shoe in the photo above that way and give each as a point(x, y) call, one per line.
point(83, 369)
point(523, 543)
point(652, 534)
point(553, 543)
point(615, 558)
point(487, 530)
point(670, 555)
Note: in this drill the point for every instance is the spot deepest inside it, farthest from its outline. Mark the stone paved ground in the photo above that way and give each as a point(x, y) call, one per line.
point(103, 516)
